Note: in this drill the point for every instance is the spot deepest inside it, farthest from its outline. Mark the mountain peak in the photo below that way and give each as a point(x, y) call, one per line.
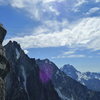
point(69, 70)
point(14, 50)
point(68, 67)
point(47, 61)
point(13, 43)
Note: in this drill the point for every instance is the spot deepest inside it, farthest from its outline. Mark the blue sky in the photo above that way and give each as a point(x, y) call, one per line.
point(65, 31)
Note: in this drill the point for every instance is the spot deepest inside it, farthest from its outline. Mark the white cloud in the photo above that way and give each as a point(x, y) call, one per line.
point(76, 56)
point(97, 0)
point(51, 26)
point(69, 52)
point(52, 9)
point(47, 1)
point(18, 3)
point(43, 40)
point(93, 10)
point(80, 2)
point(30, 6)
point(26, 51)
point(69, 56)
point(37, 9)
point(33, 8)
point(85, 34)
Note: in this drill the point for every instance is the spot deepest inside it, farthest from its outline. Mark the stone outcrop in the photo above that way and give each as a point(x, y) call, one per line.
point(4, 65)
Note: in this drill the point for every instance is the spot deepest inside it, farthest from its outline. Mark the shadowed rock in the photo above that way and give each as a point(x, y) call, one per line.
point(4, 65)
point(2, 33)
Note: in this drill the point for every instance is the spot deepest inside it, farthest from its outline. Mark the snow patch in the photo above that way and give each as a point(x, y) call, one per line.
point(24, 83)
point(82, 76)
point(26, 51)
point(18, 78)
point(17, 54)
point(97, 77)
point(46, 61)
point(61, 95)
point(83, 83)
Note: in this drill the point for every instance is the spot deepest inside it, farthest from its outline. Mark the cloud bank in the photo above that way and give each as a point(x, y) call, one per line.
point(85, 33)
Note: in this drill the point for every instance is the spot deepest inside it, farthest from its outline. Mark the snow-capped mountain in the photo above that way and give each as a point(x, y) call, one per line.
point(31, 79)
point(89, 79)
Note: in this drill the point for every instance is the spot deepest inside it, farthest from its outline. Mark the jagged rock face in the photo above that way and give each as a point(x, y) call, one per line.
point(27, 81)
point(70, 70)
point(66, 87)
point(24, 81)
point(4, 65)
point(89, 79)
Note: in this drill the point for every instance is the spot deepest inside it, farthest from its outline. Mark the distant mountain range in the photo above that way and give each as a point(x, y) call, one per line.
point(89, 79)
point(35, 79)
